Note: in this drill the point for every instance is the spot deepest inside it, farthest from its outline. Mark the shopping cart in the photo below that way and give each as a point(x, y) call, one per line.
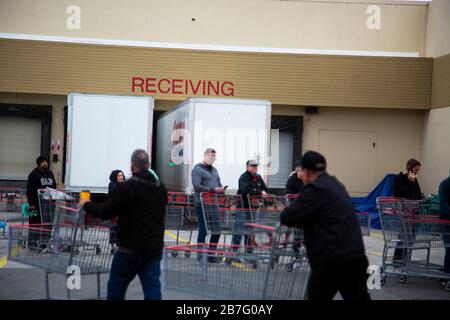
point(180, 216)
point(11, 204)
point(69, 243)
point(410, 230)
point(278, 280)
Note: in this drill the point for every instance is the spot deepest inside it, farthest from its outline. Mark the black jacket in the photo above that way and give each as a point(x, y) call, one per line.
point(38, 180)
point(113, 181)
point(294, 185)
point(250, 185)
point(444, 199)
point(140, 205)
point(325, 212)
point(405, 188)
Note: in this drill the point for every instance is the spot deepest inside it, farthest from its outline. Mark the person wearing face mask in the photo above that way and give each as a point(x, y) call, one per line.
point(40, 178)
point(205, 178)
point(333, 238)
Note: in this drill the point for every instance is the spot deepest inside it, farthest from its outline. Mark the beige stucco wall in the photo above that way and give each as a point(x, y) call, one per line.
point(399, 133)
point(336, 25)
point(436, 150)
point(438, 28)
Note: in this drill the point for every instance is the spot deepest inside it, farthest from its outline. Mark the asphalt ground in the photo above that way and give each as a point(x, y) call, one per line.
point(19, 281)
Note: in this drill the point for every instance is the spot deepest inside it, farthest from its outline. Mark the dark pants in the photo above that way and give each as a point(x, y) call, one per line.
point(348, 276)
point(124, 269)
point(446, 239)
point(239, 229)
point(40, 236)
point(201, 237)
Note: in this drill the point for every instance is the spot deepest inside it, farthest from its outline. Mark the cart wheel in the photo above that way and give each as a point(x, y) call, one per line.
point(402, 279)
point(174, 254)
point(253, 264)
point(98, 250)
point(187, 254)
point(447, 286)
point(383, 276)
point(290, 267)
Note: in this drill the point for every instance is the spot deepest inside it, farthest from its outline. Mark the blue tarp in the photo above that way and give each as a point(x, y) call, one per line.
point(368, 204)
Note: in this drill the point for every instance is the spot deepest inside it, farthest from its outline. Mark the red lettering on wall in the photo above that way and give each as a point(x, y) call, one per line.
point(182, 86)
point(194, 91)
point(176, 86)
point(161, 89)
point(135, 83)
point(150, 83)
point(215, 89)
point(227, 88)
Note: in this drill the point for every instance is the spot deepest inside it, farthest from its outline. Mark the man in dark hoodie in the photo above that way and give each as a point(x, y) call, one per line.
point(40, 178)
point(140, 205)
point(333, 238)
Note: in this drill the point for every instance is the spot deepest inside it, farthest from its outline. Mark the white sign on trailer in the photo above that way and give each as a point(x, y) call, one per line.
point(103, 131)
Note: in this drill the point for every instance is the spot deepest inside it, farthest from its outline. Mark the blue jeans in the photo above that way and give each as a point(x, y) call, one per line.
point(124, 269)
point(239, 229)
point(201, 237)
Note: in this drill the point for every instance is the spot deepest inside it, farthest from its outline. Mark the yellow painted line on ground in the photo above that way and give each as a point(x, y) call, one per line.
point(375, 253)
point(242, 266)
point(378, 235)
point(170, 234)
point(3, 261)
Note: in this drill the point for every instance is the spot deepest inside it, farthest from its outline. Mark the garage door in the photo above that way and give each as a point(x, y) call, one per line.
point(285, 156)
point(351, 157)
point(20, 145)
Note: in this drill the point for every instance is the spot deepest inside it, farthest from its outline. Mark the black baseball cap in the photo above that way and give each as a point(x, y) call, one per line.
point(313, 161)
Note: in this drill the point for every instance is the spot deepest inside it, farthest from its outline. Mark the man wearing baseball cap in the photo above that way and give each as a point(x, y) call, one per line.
point(333, 238)
point(250, 184)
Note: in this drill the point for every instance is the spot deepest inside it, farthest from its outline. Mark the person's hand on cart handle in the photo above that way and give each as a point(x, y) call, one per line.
point(263, 193)
point(219, 190)
point(83, 202)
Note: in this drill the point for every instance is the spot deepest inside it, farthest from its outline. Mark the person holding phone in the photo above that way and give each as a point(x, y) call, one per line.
point(205, 178)
point(406, 186)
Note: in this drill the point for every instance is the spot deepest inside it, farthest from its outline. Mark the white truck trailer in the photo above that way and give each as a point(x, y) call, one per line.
point(238, 129)
point(102, 132)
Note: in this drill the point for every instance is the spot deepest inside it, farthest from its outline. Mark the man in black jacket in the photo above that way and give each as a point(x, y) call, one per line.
point(444, 213)
point(333, 236)
point(406, 186)
point(40, 178)
point(140, 205)
point(294, 185)
point(250, 184)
